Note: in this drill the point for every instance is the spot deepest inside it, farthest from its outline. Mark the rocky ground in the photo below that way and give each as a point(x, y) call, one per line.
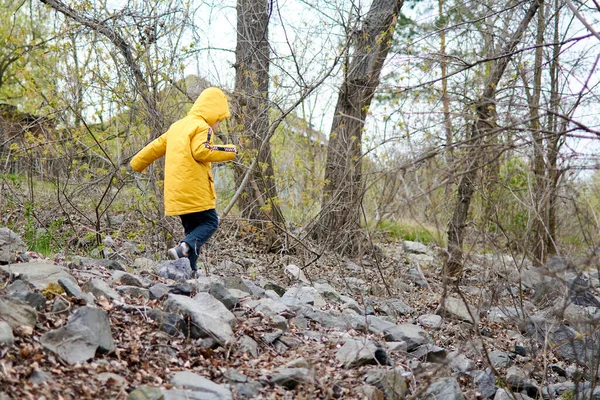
point(265, 326)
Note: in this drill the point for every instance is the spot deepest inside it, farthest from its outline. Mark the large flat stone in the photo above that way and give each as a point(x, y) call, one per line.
point(38, 274)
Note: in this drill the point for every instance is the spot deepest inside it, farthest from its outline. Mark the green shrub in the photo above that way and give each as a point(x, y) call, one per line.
point(410, 231)
point(45, 241)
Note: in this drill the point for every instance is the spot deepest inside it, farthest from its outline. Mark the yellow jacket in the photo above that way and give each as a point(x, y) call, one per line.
point(189, 151)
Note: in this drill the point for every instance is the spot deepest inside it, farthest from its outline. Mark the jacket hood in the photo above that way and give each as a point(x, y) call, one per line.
point(211, 106)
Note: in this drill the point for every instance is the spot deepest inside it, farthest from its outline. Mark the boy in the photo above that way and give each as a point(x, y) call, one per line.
point(189, 189)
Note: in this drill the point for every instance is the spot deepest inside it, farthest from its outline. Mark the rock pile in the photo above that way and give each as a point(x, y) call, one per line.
point(157, 334)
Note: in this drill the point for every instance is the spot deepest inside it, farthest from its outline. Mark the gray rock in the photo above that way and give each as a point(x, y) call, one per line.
point(72, 289)
point(430, 321)
point(546, 291)
point(159, 291)
point(247, 390)
point(327, 292)
point(413, 335)
point(296, 273)
point(396, 308)
point(266, 306)
point(391, 382)
point(209, 317)
point(183, 288)
point(133, 291)
point(499, 359)
point(145, 392)
point(100, 288)
point(355, 285)
point(502, 394)
point(485, 382)
point(38, 274)
point(249, 345)
point(519, 381)
point(531, 277)
point(349, 302)
point(378, 325)
point(571, 346)
point(430, 353)
point(414, 247)
point(298, 363)
point(201, 387)
point(17, 313)
point(291, 377)
point(302, 295)
point(581, 293)
point(503, 314)
point(233, 375)
point(559, 265)
point(332, 319)
point(356, 353)
point(369, 392)
point(170, 323)
point(73, 343)
point(60, 306)
point(38, 377)
point(219, 292)
point(460, 363)
point(280, 322)
point(270, 337)
point(10, 246)
point(582, 319)
point(414, 275)
point(6, 334)
point(396, 347)
point(127, 279)
point(276, 288)
point(19, 290)
point(445, 388)
point(99, 324)
point(112, 379)
point(591, 393)
point(144, 264)
point(18, 286)
point(457, 309)
point(235, 282)
point(555, 390)
point(177, 270)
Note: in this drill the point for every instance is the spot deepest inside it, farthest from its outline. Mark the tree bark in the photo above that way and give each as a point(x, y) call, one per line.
point(483, 126)
point(258, 202)
point(540, 225)
point(338, 226)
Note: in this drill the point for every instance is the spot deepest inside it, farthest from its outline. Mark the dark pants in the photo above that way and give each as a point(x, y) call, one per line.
point(199, 227)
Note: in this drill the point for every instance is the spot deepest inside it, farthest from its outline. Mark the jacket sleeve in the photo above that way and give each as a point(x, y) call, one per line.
point(153, 151)
point(204, 151)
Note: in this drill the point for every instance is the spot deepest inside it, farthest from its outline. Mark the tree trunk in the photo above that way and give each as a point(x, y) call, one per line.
point(445, 98)
point(554, 142)
point(251, 112)
point(482, 127)
point(540, 217)
point(338, 227)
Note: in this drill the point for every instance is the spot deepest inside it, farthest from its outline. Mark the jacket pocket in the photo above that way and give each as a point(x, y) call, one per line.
point(211, 182)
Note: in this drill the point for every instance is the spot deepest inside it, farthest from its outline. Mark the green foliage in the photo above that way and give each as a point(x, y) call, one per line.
point(44, 240)
point(505, 206)
point(410, 231)
point(568, 395)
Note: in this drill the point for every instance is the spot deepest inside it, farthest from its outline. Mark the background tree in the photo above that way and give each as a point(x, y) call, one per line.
point(483, 127)
point(259, 201)
point(339, 221)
